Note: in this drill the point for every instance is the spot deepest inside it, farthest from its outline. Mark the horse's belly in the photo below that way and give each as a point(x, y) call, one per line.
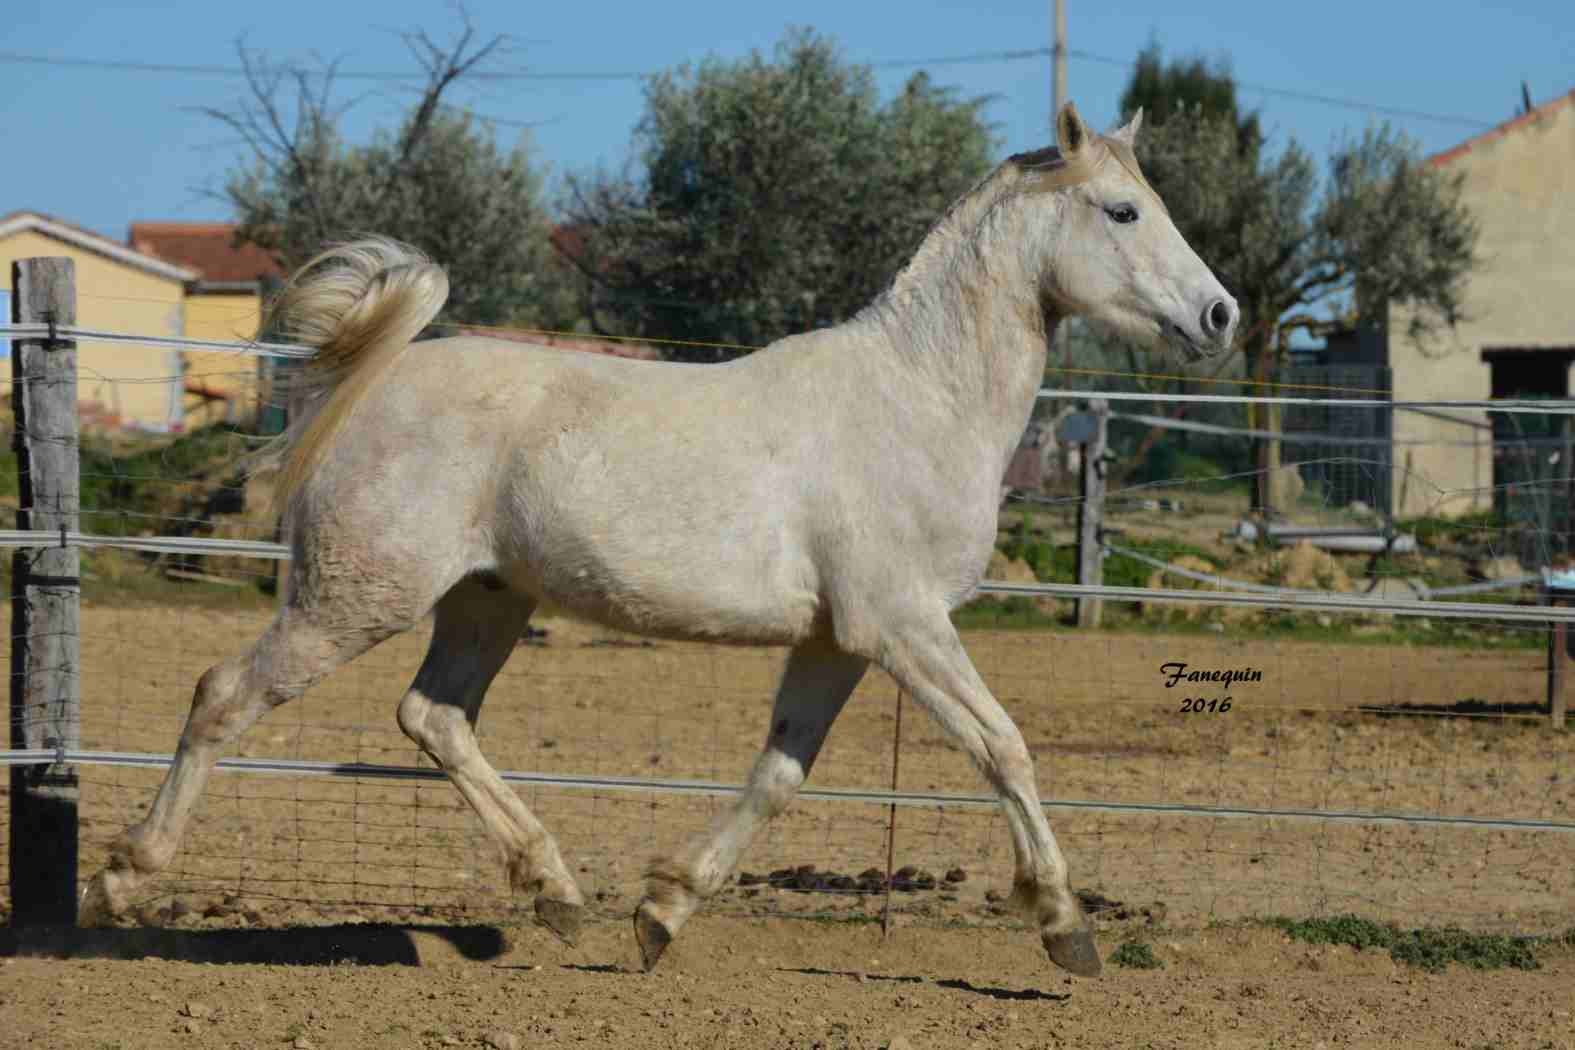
point(726, 596)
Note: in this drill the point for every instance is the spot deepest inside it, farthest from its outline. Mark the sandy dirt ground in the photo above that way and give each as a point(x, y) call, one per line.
point(1342, 728)
point(755, 984)
point(321, 912)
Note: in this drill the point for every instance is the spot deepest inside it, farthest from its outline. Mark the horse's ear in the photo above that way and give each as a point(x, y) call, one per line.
point(1128, 134)
point(1071, 133)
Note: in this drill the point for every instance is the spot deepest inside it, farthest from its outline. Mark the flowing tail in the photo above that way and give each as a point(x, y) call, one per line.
point(359, 305)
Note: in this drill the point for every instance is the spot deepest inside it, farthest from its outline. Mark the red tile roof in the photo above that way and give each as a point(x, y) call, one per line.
point(209, 248)
point(1438, 160)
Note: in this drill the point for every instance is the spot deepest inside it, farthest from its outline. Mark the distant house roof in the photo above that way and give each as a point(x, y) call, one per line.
point(76, 236)
point(1438, 160)
point(209, 248)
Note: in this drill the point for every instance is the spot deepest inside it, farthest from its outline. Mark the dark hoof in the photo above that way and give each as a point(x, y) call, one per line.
point(562, 918)
point(1075, 952)
point(653, 938)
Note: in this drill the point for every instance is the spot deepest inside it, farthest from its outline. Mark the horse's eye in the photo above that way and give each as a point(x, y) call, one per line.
point(1122, 213)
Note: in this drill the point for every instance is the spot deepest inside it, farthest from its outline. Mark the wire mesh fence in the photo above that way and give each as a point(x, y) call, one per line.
point(1398, 766)
point(1448, 731)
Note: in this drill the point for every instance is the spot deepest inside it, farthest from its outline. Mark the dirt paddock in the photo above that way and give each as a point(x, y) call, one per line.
point(756, 984)
point(394, 872)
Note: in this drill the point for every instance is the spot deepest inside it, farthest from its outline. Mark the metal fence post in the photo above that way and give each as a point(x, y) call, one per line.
point(45, 637)
point(1558, 653)
point(1090, 514)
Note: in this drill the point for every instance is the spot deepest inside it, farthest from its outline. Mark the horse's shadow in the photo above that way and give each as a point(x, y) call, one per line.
point(956, 984)
point(359, 944)
point(1015, 994)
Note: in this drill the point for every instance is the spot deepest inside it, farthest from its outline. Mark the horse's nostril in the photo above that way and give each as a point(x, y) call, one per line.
point(1216, 318)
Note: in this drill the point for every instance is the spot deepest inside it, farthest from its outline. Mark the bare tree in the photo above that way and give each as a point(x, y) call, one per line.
point(438, 180)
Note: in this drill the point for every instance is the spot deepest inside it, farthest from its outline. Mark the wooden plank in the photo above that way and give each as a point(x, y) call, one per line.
point(45, 638)
point(1091, 512)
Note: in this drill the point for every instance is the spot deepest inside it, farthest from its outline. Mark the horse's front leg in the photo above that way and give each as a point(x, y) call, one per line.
point(815, 684)
point(927, 659)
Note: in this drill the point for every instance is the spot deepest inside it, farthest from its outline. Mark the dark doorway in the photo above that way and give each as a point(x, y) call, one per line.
point(1532, 468)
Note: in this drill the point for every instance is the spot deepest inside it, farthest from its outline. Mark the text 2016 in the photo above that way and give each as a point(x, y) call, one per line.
point(1198, 703)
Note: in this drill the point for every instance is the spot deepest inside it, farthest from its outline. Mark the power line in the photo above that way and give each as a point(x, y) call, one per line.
point(1304, 96)
point(977, 58)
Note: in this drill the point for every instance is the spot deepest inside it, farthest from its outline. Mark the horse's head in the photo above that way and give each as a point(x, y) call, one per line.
point(1117, 257)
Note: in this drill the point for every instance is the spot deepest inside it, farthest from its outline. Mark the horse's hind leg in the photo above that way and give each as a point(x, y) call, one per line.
point(296, 651)
point(817, 681)
point(927, 658)
point(473, 633)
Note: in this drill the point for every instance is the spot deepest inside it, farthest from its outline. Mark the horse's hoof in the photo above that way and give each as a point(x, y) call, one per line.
point(562, 918)
point(1075, 952)
point(653, 938)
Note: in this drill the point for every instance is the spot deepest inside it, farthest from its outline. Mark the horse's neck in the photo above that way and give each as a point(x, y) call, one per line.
point(966, 319)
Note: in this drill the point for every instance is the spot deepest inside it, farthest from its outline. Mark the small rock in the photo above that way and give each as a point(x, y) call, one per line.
point(955, 875)
point(197, 1010)
point(502, 1040)
point(180, 907)
point(302, 1043)
point(190, 1027)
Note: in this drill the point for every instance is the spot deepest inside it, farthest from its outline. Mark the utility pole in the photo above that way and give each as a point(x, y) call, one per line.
point(1058, 340)
point(1058, 62)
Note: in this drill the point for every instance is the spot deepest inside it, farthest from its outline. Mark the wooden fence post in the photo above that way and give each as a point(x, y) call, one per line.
point(45, 637)
point(1091, 513)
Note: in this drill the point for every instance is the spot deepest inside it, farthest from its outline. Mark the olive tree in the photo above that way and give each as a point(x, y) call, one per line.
point(769, 195)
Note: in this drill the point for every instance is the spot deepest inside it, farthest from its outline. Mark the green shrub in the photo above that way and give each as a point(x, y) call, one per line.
point(1428, 949)
point(1135, 955)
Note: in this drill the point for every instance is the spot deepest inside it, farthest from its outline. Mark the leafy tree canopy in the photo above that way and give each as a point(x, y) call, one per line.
point(774, 194)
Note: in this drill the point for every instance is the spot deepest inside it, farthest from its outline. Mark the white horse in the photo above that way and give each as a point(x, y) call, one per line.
point(835, 492)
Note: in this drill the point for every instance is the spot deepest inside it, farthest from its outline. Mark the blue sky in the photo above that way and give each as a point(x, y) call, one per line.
point(105, 148)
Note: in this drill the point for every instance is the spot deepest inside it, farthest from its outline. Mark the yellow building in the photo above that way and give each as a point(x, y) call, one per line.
point(1518, 336)
point(224, 303)
point(118, 289)
point(170, 278)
